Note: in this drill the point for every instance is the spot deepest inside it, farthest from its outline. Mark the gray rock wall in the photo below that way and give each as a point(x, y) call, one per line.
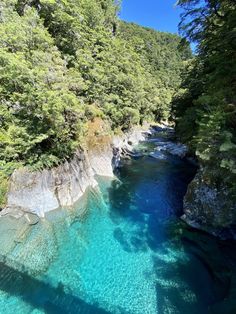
point(209, 208)
point(42, 191)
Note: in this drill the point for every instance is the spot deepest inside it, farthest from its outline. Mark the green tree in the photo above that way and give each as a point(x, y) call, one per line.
point(205, 110)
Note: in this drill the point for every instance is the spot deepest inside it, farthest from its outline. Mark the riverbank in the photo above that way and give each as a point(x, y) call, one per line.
point(33, 197)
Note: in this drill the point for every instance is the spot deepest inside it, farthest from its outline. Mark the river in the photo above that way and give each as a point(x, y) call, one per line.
point(128, 252)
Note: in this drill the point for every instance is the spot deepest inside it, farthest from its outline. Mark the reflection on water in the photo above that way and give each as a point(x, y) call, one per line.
point(129, 254)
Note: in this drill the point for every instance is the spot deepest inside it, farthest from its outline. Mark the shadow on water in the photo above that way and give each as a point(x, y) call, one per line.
point(204, 278)
point(219, 259)
point(149, 194)
point(42, 295)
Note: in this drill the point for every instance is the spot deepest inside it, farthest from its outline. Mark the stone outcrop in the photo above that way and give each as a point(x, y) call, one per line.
point(209, 208)
point(42, 191)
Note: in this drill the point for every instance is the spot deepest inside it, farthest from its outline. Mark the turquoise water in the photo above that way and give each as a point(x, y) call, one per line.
point(125, 255)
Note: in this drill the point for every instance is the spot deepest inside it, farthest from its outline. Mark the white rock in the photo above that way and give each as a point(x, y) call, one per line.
point(42, 191)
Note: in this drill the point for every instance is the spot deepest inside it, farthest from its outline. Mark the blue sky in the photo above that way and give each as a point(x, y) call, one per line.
point(158, 14)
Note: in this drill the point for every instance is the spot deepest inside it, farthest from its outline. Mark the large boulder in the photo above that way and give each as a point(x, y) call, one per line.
point(210, 208)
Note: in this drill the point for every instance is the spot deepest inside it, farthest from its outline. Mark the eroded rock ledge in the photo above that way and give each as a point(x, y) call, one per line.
point(42, 191)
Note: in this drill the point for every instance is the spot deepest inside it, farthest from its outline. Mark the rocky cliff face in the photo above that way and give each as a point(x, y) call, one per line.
point(209, 208)
point(42, 191)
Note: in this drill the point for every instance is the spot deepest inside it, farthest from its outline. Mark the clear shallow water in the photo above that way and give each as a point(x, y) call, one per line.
point(126, 254)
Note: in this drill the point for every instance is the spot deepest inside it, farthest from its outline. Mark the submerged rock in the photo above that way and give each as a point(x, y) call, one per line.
point(19, 212)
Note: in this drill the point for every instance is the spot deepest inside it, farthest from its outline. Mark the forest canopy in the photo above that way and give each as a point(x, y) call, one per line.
point(64, 62)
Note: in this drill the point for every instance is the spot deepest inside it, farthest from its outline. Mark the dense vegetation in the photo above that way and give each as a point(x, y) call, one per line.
point(205, 106)
point(164, 56)
point(64, 62)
